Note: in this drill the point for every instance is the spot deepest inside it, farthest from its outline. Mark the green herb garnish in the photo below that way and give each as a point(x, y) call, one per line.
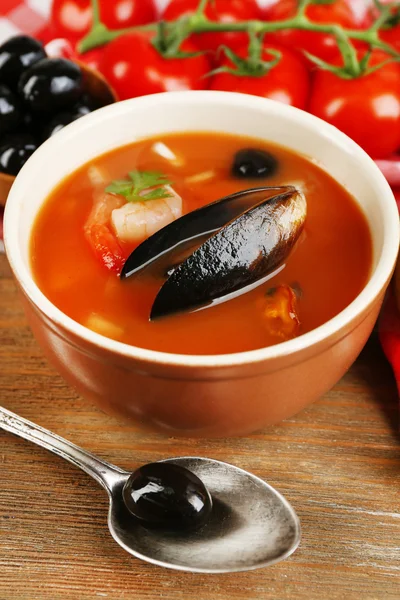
point(137, 182)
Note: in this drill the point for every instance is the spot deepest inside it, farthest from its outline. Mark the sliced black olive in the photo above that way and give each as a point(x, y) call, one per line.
point(59, 122)
point(167, 496)
point(51, 85)
point(10, 110)
point(14, 152)
point(251, 163)
point(16, 55)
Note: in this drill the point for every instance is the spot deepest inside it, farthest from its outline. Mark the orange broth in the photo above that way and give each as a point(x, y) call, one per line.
point(330, 263)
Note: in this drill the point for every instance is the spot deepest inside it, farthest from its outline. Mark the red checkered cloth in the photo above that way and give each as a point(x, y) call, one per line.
point(28, 17)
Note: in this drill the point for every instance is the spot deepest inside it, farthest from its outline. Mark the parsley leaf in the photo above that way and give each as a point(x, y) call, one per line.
point(138, 182)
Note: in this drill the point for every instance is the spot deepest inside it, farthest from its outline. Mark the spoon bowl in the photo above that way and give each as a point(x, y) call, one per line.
point(251, 525)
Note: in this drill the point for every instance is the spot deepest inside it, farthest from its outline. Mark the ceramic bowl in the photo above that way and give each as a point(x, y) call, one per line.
point(206, 396)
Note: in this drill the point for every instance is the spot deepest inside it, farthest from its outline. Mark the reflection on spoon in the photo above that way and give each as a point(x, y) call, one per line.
point(250, 525)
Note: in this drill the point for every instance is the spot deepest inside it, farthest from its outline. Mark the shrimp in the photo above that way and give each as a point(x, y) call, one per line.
point(97, 227)
point(280, 313)
point(136, 221)
point(114, 221)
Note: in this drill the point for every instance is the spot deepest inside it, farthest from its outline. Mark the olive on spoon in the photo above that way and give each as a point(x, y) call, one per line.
point(189, 514)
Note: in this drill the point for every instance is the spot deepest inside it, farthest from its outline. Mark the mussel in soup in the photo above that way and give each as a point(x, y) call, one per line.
point(239, 254)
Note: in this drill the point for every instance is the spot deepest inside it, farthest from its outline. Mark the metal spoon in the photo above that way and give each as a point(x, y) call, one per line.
point(251, 524)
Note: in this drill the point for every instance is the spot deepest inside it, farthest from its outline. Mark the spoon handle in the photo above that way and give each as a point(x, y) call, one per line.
point(106, 474)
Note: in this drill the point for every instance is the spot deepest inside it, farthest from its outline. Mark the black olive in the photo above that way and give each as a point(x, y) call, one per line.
point(16, 55)
point(14, 152)
point(51, 85)
point(32, 124)
point(251, 163)
point(10, 112)
point(87, 103)
point(59, 122)
point(82, 110)
point(28, 122)
point(167, 496)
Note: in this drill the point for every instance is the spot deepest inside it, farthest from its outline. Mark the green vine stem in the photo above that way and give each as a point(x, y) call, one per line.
point(199, 23)
point(201, 8)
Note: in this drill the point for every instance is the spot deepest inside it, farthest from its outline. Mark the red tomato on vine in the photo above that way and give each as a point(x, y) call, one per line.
point(72, 19)
point(366, 108)
point(321, 45)
point(222, 11)
point(391, 36)
point(391, 33)
point(287, 82)
point(133, 67)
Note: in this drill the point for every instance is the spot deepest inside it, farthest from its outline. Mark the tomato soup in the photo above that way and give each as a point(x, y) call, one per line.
point(77, 256)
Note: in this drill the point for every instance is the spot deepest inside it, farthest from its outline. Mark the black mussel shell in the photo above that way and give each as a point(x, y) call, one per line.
point(16, 55)
point(167, 496)
point(193, 227)
point(51, 85)
point(251, 163)
point(10, 110)
point(240, 254)
point(15, 150)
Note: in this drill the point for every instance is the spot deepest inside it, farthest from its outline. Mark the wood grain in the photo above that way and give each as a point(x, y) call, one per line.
point(338, 462)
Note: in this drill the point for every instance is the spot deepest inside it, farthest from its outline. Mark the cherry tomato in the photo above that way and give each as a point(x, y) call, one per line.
point(222, 11)
point(287, 82)
point(134, 68)
point(321, 45)
point(92, 58)
point(366, 108)
point(72, 18)
point(391, 36)
point(106, 247)
point(46, 34)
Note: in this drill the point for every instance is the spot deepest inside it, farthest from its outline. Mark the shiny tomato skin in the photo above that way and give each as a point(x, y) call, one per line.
point(92, 58)
point(134, 68)
point(321, 45)
point(287, 82)
point(366, 108)
point(72, 18)
point(392, 37)
point(223, 11)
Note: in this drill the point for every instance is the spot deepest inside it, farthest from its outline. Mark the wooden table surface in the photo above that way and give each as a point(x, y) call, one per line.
point(338, 463)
